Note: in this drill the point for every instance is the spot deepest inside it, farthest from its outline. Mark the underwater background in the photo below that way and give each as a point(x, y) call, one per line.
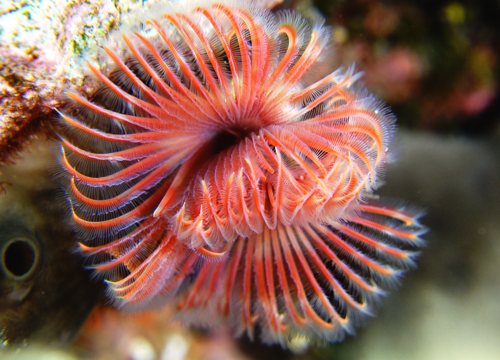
point(435, 63)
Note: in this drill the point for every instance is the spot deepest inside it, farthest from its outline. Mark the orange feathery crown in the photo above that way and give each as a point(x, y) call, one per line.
point(206, 173)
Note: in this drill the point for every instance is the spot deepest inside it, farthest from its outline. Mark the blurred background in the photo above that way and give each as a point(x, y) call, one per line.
point(436, 64)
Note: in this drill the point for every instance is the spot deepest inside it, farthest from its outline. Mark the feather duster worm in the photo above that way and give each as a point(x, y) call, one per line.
point(206, 173)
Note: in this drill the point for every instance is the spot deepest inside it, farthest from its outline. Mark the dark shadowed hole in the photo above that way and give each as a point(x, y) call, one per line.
point(224, 140)
point(19, 257)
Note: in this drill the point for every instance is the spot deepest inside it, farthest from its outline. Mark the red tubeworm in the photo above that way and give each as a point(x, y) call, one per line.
point(205, 172)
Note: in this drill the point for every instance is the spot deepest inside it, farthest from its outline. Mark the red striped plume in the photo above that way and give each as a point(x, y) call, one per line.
point(204, 171)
